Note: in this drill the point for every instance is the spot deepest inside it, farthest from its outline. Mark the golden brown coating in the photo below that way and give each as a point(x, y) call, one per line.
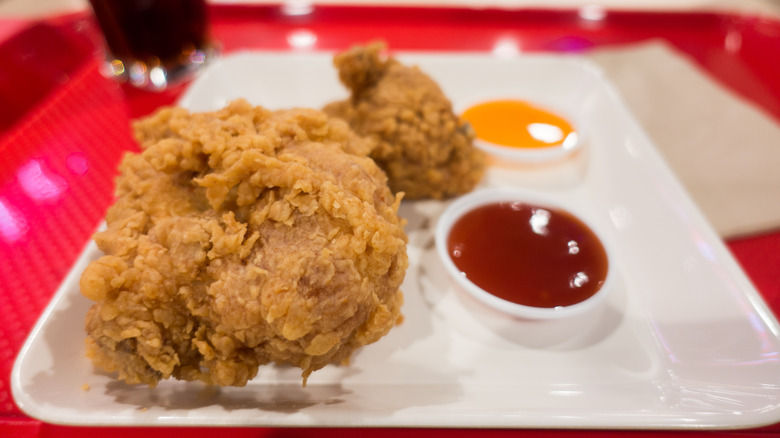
point(243, 237)
point(425, 149)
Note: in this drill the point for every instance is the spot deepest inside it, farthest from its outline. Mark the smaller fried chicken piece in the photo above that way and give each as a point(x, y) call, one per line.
point(426, 151)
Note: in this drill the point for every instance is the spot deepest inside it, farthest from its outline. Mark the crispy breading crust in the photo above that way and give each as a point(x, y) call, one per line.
point(243, 237)
point(426, 150)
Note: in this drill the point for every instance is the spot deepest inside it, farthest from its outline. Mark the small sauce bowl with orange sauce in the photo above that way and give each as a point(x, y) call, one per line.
point(524, 255)
point(522, 131)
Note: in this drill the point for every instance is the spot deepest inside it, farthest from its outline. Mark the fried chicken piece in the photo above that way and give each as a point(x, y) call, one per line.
point(239, 238)
point(425, 149)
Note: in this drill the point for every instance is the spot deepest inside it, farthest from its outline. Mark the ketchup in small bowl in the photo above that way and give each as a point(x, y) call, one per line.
point(522, 254)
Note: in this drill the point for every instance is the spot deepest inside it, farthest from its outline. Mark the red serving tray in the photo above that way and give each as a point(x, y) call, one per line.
point(63, 129)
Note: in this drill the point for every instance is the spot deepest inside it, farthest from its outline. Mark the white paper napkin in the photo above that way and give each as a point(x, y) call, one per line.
point(724, 149)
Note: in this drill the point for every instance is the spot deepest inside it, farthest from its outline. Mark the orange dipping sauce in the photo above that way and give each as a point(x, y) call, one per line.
point(520, 124)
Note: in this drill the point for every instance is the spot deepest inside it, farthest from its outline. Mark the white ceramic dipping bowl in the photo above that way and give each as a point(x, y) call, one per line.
point(484, 197)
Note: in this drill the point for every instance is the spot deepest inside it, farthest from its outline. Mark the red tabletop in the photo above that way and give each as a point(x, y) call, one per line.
point(63, 128)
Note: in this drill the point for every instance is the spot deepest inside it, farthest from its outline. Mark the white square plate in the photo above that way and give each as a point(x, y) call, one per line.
point(686, 341)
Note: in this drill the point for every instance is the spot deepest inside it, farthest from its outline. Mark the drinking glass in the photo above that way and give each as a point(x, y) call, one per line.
point(153, 44)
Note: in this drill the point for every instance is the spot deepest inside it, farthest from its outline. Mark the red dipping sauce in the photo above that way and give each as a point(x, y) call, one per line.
point(529, 255)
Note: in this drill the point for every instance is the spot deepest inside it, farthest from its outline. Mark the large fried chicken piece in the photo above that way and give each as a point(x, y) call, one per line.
point(425, 149)
point(243, 237)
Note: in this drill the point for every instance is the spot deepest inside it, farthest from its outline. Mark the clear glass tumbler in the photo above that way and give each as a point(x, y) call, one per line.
point(153, 44)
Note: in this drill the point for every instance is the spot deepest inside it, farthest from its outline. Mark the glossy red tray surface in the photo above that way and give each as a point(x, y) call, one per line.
point(63, 129)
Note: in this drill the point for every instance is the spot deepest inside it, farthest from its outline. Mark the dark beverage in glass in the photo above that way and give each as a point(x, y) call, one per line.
point(153, 43)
